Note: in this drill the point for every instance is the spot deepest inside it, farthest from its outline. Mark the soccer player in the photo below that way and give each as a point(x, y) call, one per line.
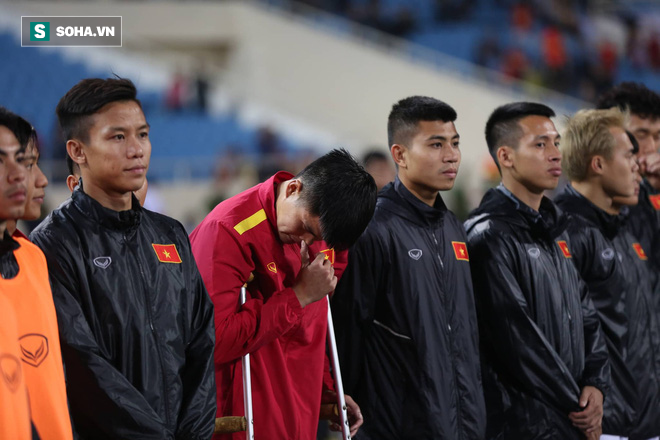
point(404, 308)
point(545, 361)
point(285, 239)
point(24, 285)
point(135, 319)
point(600, 161)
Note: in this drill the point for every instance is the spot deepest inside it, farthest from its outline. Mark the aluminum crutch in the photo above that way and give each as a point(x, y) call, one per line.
point(341, 401)
point(247, 386)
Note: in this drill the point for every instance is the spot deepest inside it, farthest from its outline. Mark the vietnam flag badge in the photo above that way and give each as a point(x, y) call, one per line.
point(460, 250)
point(655, 201)
point(639, 251)
point(167, 253)
point(329, 255)
point(564, 249)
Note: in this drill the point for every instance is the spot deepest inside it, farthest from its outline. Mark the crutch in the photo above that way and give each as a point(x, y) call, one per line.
point(341, 401)
point(226, 425)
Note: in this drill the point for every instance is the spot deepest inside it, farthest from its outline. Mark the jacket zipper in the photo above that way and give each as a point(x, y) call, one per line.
point(450, 338)
point(155, 334)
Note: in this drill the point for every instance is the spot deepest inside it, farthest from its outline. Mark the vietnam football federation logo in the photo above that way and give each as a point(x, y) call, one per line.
point(460, 250)
point(639, 251)
point(272, 267)
point(655, 201)
point(564, 249)
point(167, 253)
point(34, 348)
point(10, 369)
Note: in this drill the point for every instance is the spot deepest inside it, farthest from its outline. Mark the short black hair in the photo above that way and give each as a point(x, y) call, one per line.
point(634, 97)
point(336, 188)
point(502, 127)
point(74, 168)
point(86, 98)
point(21, 128)
point(407, 113)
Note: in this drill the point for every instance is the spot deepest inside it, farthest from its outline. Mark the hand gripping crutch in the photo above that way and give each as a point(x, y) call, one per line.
point(226, 425)
point(341, 401)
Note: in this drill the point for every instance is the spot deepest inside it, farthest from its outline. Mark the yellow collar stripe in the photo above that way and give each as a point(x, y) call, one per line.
point(250, 222)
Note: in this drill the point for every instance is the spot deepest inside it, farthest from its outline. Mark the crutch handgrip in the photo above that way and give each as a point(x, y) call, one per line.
point(229, 424)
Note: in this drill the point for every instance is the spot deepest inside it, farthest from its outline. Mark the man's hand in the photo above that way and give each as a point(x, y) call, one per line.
point(590, 419)
point(649, 166)
point(316, 279)
point(355, 419)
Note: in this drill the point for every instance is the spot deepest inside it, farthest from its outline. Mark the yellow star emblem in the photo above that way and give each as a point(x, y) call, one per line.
point(167, 254)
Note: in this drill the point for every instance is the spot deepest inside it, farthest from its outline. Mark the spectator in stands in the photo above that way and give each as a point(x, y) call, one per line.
point(546, 369)
point(380, 166)
point(24, 285)
point(404, 309)
point(135, 320)
point(283, 239)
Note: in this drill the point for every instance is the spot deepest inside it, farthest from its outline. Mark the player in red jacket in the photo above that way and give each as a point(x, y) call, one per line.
point(286, 239)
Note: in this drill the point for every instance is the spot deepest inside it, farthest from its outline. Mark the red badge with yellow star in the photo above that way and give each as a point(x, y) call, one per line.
point(329, 255)
point(564, 249)
point(460, 250)
point(167, 253)
point(655, 201)
point(640, 251)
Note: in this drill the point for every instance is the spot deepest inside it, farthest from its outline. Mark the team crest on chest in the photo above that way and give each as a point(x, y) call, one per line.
point(272, 267)
point(166, 253)
point(460, 251)
point(655, 201)
point(639, 250)
point(564, 249)
point(329, 255)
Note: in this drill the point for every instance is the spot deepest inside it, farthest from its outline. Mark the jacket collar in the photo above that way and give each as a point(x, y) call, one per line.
point(396, 198)
point(109, 218)
point(547, 222)
point(267, 195)
point(574, 202)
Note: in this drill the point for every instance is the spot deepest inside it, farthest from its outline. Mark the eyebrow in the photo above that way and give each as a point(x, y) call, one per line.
point(545, 136)
point(141, 127)
point(442, 138)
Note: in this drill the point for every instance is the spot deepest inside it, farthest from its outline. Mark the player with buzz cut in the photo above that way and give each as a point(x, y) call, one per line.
point(136, 323)
point(404, 309)
point(546, 368)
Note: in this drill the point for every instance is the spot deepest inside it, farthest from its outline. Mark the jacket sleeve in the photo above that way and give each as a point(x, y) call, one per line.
point(198, 409)
point(596, 365)
point(225, 266)
point(103, 403)
point(353, 307)
point(517, 348)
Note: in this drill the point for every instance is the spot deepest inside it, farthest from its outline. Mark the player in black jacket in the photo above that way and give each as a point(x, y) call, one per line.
point(600, 162)
point(404, 309)
point(135, 320)
point(545, 359)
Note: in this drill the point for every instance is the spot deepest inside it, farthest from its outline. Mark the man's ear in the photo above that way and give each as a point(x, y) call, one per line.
point(75, 150)
point(398, 153)
point(597, 165)
point(505, 156)
point(293, 187)
point(71, 182)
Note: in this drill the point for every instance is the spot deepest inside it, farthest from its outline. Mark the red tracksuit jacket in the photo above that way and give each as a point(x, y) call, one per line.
point(286, 342)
